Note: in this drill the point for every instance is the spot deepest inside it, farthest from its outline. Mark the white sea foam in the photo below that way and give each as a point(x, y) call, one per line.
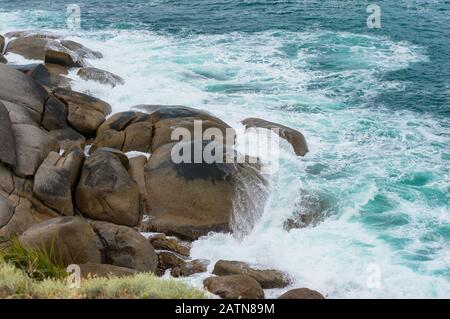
point(357, 155)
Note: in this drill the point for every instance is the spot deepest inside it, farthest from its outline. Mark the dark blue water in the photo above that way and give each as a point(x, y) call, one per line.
point(424, 23)
point(374, 105)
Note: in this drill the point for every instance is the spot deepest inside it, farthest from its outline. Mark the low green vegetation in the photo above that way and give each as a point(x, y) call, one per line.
point(37, 264)
point(31, 274)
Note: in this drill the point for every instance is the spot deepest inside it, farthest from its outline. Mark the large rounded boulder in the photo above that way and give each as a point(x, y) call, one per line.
point(234, 287)
point(106, 191)
point(190, 198)
point(124, 247)
point(21, 89)
point(7, 145)
point(294, 137)
point(167, 118)
point(85, 113)
point(267, 278)
point(301, 293)
point(55, 180)
point(68, 240)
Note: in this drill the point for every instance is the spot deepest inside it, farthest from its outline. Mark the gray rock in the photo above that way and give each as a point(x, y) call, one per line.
point(124, 247)
point(234, 287)
point(55, 180)
point(101, 76)
point(86, 113)
point(21, 89)
point(7, 144)
point(106, 191)
point(68, 240)
point(55, 115)
point(294, 137)
point(267, 278)
point(32, 147)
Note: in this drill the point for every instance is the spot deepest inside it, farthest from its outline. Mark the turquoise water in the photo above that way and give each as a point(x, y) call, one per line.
point(374, 106)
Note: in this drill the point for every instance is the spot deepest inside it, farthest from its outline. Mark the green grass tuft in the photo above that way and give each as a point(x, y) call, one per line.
point(26, 273)
point(38, 264)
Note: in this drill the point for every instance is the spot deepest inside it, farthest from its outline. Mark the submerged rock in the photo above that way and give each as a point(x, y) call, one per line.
point(234, 287)
point(294, 137)
point(311, 209)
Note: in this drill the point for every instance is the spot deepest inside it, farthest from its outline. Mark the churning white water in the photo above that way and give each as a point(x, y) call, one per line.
point(353, 151)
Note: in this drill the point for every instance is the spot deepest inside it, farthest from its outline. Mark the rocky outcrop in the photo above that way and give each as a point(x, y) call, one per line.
point(126, 131)
point(25, 215)
point(81, 50)
point(294, 137)
point(32, 147)
point(21, 89)
point(50, 76)
point(124, 247)
point(93, 270)
point(168, 260)
point(68, 240)
point(234, 287)
point(136, 171)
point(301, 293)
point(19, 114)
point(7, 144)
point(162, 242)
point(55, 115)
point(267, 278)
point(167, 118)
point(32, 45)
point(190, 268)
point(68, 138)
point(2, 43)
point(6, 211)
point(101, 76)
point(85, 113)
point(55, 180)
point(106, 191)
point(207, 202)
point(61, 58)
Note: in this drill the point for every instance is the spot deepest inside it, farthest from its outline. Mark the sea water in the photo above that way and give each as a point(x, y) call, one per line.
point(373, 104)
